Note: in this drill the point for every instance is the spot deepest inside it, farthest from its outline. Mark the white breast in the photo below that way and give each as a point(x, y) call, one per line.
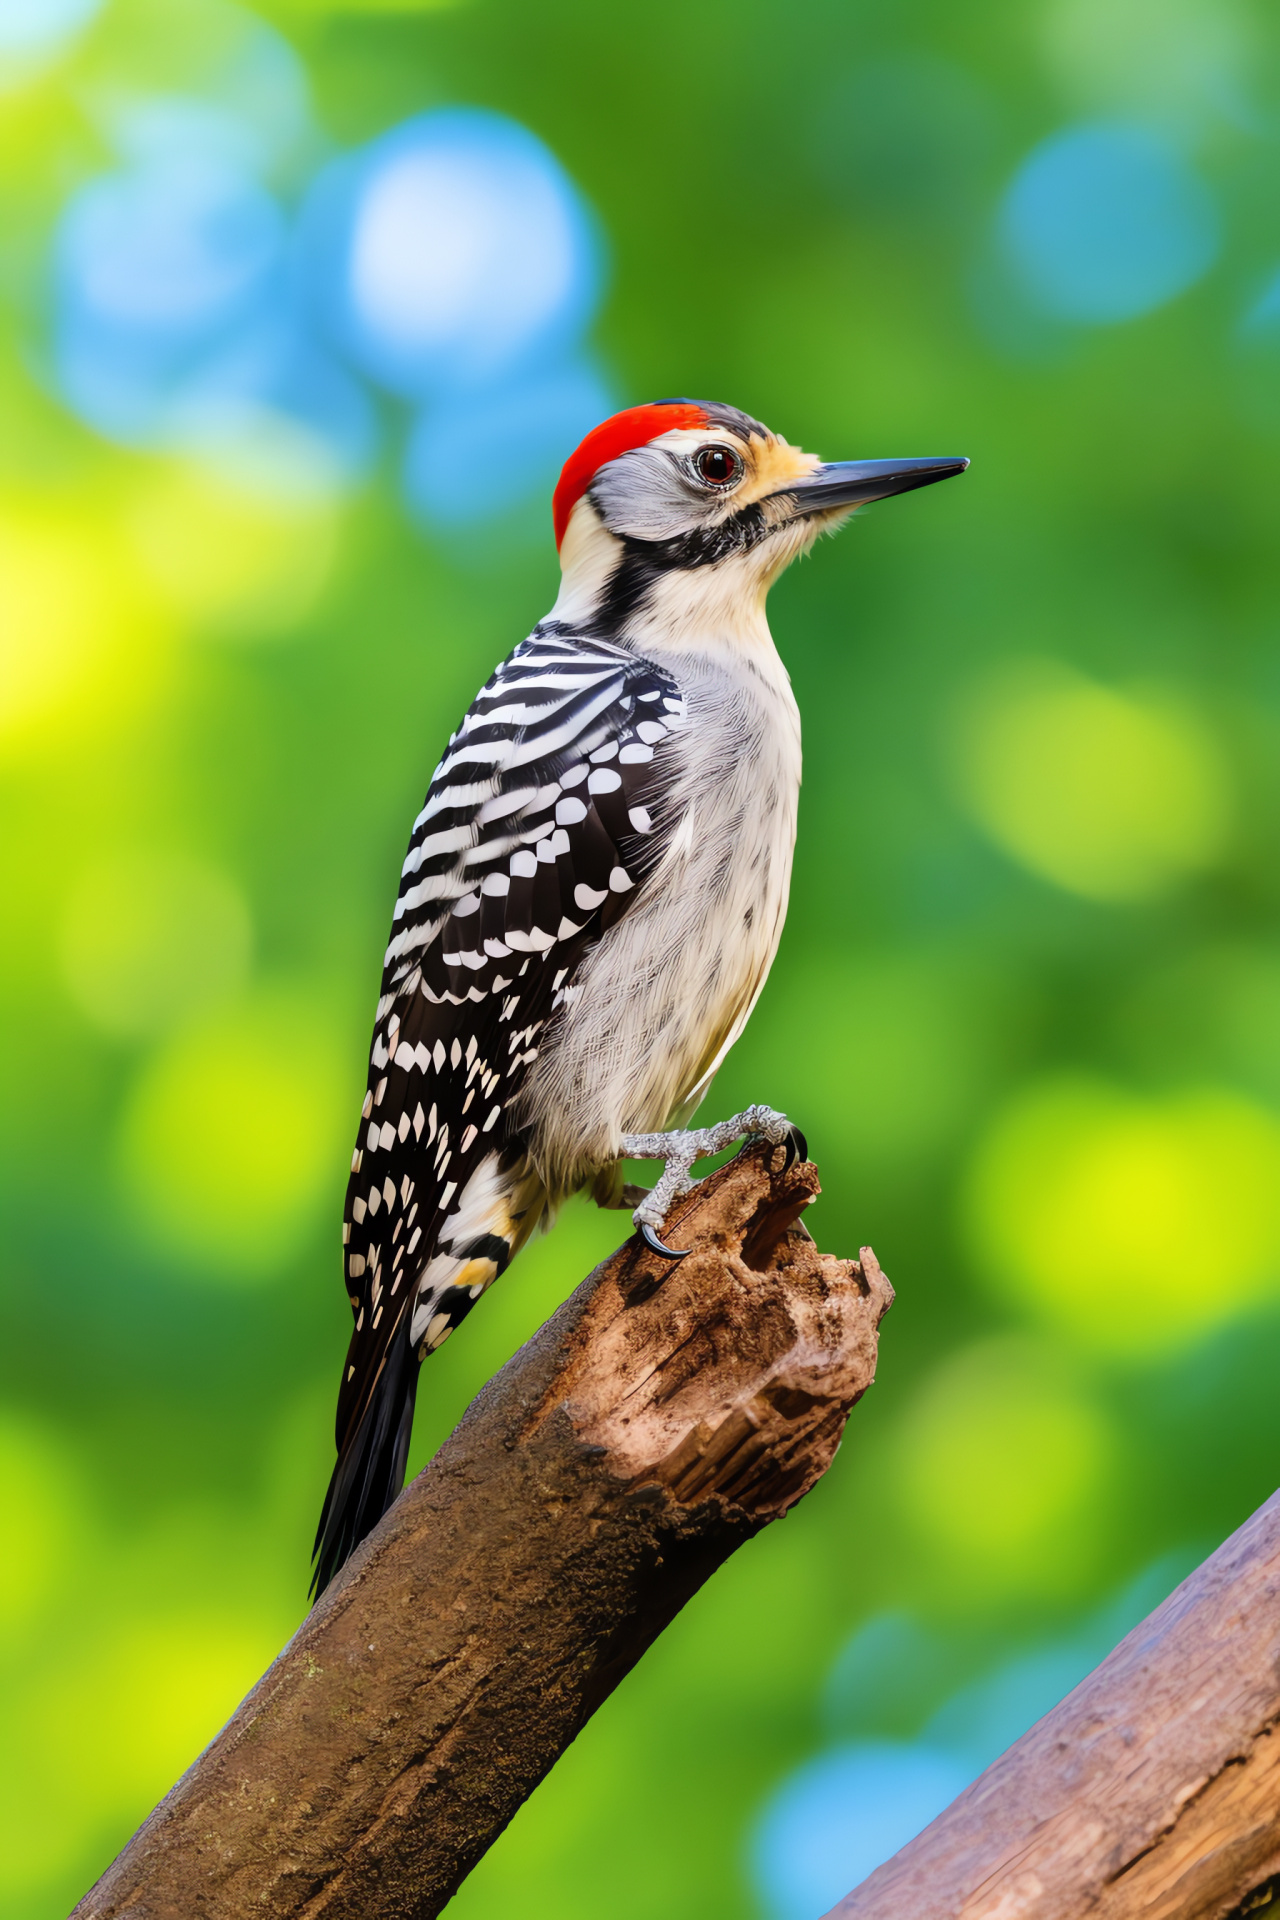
point(669, 987)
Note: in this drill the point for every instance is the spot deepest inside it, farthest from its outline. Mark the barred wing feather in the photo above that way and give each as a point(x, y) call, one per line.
point(549, 809)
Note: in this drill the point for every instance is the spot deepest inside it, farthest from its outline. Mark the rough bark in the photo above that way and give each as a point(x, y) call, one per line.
point(662, 1417)
point(1153, 1790)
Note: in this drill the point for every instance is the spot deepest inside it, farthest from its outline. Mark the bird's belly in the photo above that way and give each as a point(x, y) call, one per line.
point(666, 991)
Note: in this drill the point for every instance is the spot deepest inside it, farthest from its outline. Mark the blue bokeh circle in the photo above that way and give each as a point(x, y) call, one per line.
point(834, 1820)
point(1106, 222)
point(451, 253)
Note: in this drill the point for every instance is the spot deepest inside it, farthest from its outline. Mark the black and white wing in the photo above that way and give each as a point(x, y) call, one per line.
point(543, 819)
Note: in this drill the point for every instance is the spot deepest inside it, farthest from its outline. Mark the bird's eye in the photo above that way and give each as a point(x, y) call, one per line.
point(718, 466)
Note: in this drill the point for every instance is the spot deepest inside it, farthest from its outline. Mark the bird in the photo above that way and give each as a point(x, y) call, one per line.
point(593, 894)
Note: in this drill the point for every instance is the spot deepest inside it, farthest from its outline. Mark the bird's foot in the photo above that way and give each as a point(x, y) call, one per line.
point(678, 1151)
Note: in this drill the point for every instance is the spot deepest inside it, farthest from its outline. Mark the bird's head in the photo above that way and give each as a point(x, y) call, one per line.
point(675, 518)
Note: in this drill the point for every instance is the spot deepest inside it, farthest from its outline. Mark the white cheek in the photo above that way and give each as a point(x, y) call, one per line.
point(588, 556)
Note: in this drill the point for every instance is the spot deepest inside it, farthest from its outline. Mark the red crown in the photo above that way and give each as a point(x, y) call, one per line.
point(634, 427)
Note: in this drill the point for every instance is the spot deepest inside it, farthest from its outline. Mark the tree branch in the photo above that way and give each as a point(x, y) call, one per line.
point(1153, 1790)
point(658, 1420)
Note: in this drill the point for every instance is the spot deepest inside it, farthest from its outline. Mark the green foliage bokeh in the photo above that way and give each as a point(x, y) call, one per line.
point(1027, 1005)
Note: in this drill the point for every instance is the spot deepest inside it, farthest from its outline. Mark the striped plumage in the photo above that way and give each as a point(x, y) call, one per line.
point(544, 815)
point(592, 896)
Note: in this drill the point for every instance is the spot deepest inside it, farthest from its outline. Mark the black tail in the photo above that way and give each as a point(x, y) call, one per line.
point(370, 1467)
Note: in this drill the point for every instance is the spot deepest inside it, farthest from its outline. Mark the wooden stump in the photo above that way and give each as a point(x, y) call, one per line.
point(663, 1416)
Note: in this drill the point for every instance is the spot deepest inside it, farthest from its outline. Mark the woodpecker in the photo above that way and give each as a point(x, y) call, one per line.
point(592, 897)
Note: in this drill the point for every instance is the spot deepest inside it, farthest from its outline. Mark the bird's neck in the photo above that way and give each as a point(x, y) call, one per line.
point(623, 590)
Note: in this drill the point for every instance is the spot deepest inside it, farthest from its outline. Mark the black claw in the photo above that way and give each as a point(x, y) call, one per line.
point(797, 1148)
point(651, 1240)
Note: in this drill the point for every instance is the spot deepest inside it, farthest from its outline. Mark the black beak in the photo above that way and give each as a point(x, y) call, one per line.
point(849, 483)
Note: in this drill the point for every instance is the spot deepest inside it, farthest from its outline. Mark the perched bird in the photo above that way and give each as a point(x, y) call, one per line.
point(592, 897)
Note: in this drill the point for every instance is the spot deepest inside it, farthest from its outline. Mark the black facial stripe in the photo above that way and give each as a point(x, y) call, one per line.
point(704, 546)
point(644, 562)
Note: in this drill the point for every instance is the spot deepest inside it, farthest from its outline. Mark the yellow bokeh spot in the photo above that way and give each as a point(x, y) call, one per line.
point(999, 1467)
point(42, 1518)
point(1113, 796)
point(233, 1134)
point(80, 637)
point(231, 560)
point(149, 938)
point(1136, 1225)
point(137, 1709)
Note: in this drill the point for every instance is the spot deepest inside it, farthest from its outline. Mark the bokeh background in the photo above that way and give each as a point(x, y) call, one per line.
point(300, 309)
